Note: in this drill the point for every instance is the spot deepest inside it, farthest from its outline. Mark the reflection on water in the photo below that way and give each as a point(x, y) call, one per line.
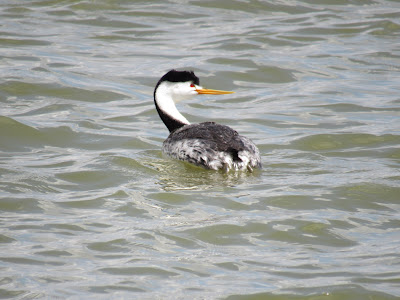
point(91, 208)
point(175, 176)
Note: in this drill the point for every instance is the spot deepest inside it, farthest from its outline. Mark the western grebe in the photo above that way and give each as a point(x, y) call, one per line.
point(207, 144)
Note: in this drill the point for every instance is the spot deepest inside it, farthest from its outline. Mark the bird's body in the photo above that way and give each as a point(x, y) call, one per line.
point(207, 144)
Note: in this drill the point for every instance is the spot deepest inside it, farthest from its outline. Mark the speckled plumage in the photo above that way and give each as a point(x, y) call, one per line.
point(212, 146)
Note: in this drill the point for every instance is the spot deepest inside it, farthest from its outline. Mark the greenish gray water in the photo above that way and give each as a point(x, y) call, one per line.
point(89, 206)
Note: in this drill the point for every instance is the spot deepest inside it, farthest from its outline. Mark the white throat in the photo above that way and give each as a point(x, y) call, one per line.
point(166, 103)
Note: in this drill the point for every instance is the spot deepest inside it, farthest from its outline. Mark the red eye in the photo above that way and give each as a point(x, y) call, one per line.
point(192, 85)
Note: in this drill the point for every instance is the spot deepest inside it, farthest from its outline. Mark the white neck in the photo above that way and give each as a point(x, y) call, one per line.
point(166, 104)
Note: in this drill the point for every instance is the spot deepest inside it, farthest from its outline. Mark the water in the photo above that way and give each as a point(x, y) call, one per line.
point(90, 208)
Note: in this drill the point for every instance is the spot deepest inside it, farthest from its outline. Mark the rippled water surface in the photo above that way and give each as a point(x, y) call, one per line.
point(89, 206)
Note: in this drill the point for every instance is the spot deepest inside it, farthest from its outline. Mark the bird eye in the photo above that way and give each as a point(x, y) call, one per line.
point(192, 85)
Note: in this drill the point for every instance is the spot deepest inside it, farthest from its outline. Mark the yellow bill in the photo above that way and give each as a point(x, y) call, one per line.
point(212, 92)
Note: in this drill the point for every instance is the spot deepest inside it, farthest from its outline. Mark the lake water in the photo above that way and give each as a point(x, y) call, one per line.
point(91, 209)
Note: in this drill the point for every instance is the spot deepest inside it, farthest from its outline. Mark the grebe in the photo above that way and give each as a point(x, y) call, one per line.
point(210, 145)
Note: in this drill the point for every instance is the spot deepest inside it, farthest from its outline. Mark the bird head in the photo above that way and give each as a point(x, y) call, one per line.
point(183, 85)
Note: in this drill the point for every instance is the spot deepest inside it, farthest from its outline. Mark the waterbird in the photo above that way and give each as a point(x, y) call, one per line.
point(208, 144)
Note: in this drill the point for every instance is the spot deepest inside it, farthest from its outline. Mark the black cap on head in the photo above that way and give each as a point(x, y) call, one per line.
point(180, 76)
